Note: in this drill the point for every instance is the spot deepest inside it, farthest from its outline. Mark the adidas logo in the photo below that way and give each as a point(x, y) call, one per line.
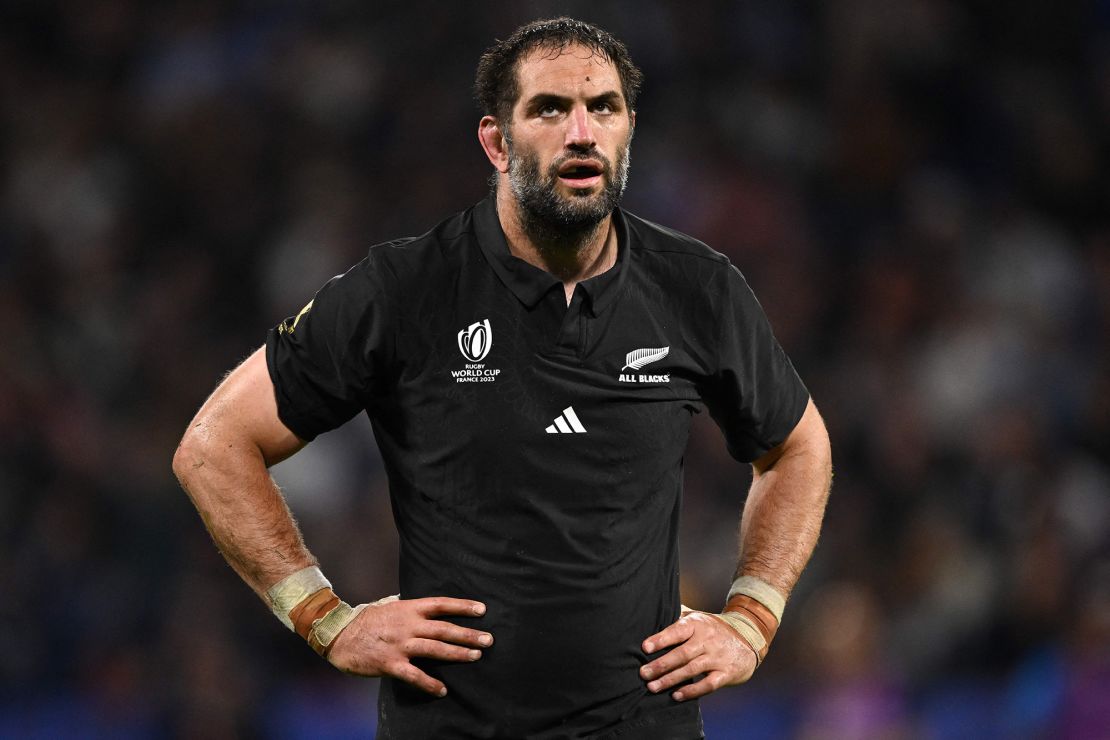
point(567, 423)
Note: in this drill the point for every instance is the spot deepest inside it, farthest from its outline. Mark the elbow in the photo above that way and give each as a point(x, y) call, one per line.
point(188, 458)
point(820, 447)
point(824, 445)
point(814, 437)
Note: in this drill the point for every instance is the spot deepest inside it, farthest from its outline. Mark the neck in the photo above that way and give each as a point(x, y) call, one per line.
point(570, 255)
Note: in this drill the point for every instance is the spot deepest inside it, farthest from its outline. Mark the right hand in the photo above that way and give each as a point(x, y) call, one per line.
point(387, 634)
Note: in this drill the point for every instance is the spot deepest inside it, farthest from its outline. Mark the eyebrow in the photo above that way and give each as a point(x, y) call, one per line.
point(609, 96)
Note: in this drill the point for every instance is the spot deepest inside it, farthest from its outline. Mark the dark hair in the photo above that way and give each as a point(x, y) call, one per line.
point(496, 86)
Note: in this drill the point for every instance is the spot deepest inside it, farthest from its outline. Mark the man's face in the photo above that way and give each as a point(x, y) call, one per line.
point(569, 139)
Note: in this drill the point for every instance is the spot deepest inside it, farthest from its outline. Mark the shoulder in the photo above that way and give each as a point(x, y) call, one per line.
point(677, 260)
point(425, 258)
point(399, 272)
point(658, 241)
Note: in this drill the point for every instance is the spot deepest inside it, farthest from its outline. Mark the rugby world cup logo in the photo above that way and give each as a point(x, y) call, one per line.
point(475, 341)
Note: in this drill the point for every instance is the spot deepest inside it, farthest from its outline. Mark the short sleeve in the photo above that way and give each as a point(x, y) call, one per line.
point(754, 394)
point(325, 361)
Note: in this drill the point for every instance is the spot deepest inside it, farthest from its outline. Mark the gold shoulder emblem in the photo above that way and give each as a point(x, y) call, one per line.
point(287, 327)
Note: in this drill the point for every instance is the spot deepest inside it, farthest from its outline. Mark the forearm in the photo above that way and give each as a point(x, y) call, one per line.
point(243, 509)
point(778, 532)
point(785, 507)
point(222, 463)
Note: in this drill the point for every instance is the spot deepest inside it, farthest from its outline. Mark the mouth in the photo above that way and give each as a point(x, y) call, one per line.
point(581, 173)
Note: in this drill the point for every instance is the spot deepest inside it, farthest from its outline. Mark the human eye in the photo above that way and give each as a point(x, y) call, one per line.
point(605, 107)
point(547, 107)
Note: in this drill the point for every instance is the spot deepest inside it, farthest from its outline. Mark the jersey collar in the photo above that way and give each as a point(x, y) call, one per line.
point(529, 283)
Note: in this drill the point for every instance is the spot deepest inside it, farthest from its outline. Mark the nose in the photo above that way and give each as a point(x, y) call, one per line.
point(580, 131)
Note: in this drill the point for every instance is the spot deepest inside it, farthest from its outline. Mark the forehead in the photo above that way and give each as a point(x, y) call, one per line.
point(575, 70)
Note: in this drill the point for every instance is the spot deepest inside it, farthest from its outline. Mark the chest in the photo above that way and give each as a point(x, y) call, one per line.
point(489, 380)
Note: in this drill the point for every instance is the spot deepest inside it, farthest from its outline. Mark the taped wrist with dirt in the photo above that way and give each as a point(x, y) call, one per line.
point(754, 609)
point(306, 604)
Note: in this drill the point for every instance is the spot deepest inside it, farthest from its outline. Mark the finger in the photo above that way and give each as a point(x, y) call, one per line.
point(680, 631)
point(447, 632)
point(410, 674)
point(418, 647)
point(712, 681)
point(433, 605)
point(695, 667)
point(679, 656)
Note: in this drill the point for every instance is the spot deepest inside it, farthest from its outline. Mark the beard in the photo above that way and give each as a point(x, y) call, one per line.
point(552, 218)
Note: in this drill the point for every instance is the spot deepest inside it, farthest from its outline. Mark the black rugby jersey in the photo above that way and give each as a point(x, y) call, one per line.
point(534, 453)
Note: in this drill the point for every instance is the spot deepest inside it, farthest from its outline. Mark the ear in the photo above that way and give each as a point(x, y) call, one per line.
point(493, 143)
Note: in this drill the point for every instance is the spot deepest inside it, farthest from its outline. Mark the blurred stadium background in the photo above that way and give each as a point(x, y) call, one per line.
point(917, 190)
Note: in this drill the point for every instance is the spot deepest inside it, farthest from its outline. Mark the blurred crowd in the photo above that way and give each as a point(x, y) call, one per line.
point(918, 191)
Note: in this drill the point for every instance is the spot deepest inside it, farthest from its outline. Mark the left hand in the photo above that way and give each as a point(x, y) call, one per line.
point(706, 645)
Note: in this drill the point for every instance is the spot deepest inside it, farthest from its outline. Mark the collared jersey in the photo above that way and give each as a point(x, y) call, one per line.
point(534, 453)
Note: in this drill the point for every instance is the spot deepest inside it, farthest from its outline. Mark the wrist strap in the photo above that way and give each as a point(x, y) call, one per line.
point(758, 620)
point(327, 628)
point(314, 608)
point(306, 604)
point(324, 630)
point(290, 591)
point(748, 631)
point(754, 609)
point(762, 592)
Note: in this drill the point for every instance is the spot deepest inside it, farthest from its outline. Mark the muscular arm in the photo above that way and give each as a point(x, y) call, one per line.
point(782, 518)
point(778, 531)
point(222, 464)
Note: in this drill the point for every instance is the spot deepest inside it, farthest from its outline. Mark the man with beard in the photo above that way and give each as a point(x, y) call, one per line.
point(530, 367)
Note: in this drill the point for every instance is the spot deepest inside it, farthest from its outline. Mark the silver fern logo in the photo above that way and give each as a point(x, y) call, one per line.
point(638, 358)
point(475, 341)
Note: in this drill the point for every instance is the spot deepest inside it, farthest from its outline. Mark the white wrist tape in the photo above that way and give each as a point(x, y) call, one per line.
point(328, 627)
point(761, 591)
point(746, 630)
point(292, 590)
